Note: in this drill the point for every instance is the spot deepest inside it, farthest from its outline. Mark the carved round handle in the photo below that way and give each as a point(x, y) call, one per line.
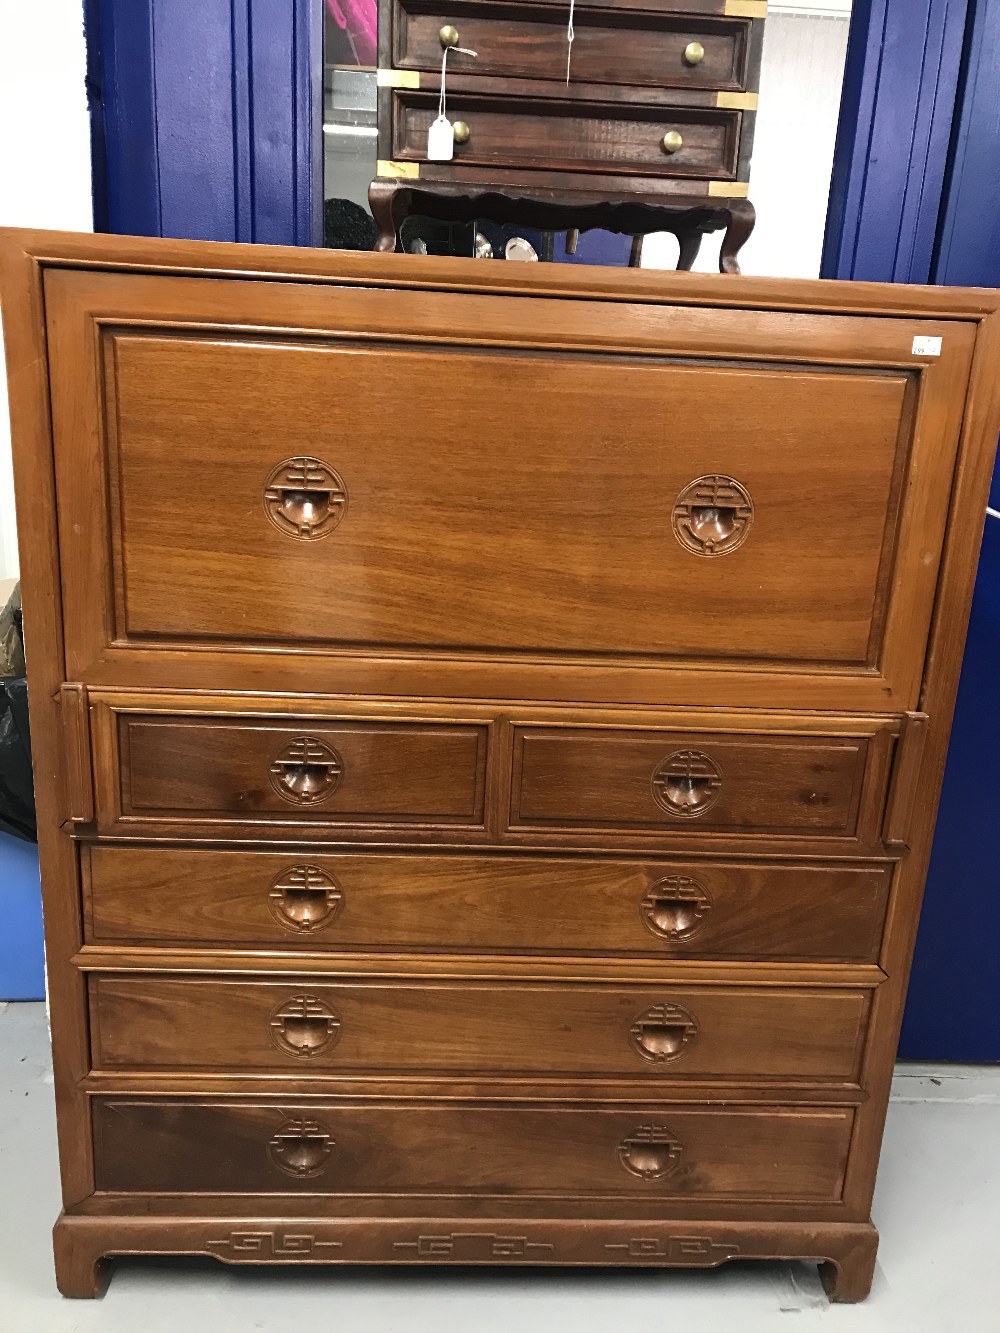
point(303, 1026)
point(671, 142)
point(675, 908)
point(650, 1152)
point(694, 53)
point(712, 515)
point(663, 1033)
point(304, 497)
point(687, 783)
point(301, 1148)
point(304, 898)
point(461, 131)
point(306, 771)
point(448, 35)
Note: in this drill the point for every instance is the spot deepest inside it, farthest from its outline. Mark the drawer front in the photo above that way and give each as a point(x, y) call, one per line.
point(199, 1145)
point(642, 49)
point(697, 782)
point(560, 136)
point(369, 901)
point(207, 769)
point(291, 1026)
point(693, 530)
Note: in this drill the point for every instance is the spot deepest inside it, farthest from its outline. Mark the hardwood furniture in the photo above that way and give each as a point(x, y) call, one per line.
point(653, 127)
point(488, 723)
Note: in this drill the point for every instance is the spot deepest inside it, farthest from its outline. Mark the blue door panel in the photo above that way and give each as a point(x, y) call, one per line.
point(953, 1010)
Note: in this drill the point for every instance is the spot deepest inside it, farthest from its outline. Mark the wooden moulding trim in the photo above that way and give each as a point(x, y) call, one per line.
point(374, 966)
point(157, 255)
point(234, 1234)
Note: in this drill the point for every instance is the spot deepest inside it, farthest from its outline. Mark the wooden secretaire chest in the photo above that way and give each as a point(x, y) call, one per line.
point(488, 722)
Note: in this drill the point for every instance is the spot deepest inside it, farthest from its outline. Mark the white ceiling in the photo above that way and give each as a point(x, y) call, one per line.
point(830, 8)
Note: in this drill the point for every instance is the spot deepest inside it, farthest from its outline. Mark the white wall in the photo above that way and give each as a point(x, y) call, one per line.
point(801, 80)
point(44, 156)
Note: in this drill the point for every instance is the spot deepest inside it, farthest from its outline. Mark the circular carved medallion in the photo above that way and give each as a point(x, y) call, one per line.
point(712, 515)
point(300, 1148)
point(303, 1026)
point(650, 1152)
point(304, 497)
point(675, 907)
point(663, 1032)
point(306, 771)
point(304, 898)
point(687, 783)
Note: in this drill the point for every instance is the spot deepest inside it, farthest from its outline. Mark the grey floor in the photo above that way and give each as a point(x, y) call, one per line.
point(937, 1206)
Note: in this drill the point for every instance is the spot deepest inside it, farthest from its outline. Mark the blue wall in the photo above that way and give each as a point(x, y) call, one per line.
point(21, 969)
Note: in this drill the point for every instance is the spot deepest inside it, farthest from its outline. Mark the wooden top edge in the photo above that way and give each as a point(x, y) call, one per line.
point(298, 264)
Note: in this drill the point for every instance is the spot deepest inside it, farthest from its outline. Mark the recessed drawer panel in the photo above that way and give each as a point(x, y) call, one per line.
point(219, 768)
point(305, 1025)
point(535, 904)
point(609, 46)
point(541, 135)
point(254, 475)
point(188, 1145)
point(689, 781)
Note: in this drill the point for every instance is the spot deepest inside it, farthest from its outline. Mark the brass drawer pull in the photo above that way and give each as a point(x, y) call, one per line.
point(304, 898)
point(303, 1026)
point(650, 1152)
point(671, 142)
point(663, 1033)
point(687, 783)
point(712, 515)
point(304, 497)
point(675, 908)
point(461, 131)
point(301, 1148)
point(448, 36)
point(307, 771)
point(694, 53)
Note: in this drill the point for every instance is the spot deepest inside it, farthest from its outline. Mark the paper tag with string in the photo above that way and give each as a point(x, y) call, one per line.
point(441, 132)
point(570, 36)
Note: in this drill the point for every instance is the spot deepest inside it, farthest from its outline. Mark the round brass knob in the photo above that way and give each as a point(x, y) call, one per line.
point(671, 142)
point(694, 53)
point(462, 131)
point(448, 35)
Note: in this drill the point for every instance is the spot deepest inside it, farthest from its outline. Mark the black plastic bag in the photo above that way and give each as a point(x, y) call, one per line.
point(17, 792)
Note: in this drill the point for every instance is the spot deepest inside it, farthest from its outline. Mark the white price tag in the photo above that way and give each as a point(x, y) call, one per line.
point(440, 140)
point(927, 347)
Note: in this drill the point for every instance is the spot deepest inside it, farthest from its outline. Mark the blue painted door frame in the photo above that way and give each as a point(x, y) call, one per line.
point(916, 198)
point(206, 118)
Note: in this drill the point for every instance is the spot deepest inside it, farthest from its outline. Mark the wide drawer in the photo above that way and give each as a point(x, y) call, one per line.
point(198, 1145)
point(657, 50)
point(166, 1022)
point(211, 768)
point(536, 134)
point(771, 784)
point(523, 904)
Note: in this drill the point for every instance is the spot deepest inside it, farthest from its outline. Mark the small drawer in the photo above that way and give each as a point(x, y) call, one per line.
point(304, 1024)
point(219, 770)
point(644, 49)
point(694, 782)
point(320, 1146)
point(542, 135)
point(520, 904)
